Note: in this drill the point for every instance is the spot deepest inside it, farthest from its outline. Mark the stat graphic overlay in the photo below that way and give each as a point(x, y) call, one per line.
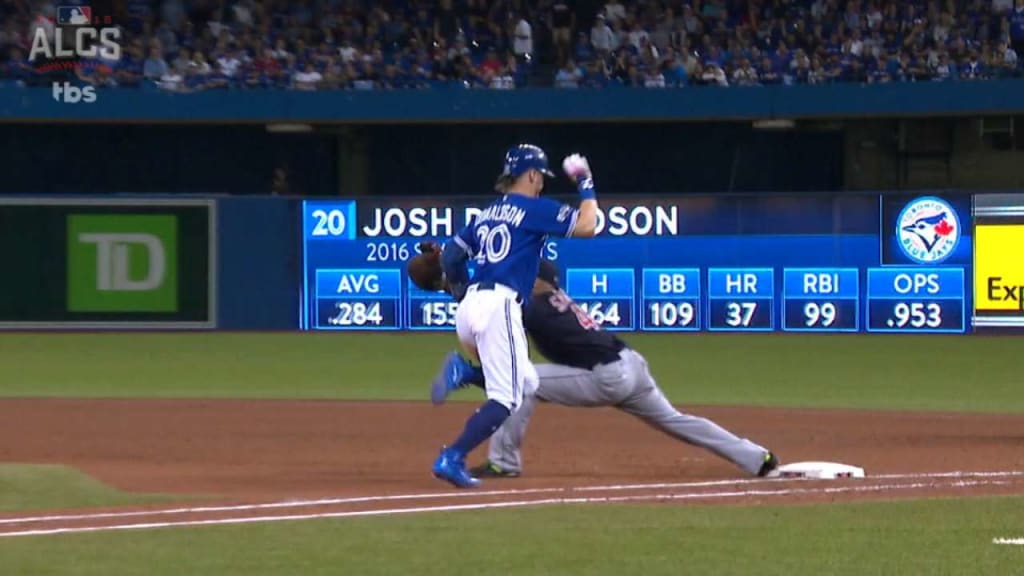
point(358, 299)
point(429, 310)
point(670, 300)
point(606, 294)
point(998, 264)
point(843, 263)
point(821, 300)
point(741, 299)
point(916, 300)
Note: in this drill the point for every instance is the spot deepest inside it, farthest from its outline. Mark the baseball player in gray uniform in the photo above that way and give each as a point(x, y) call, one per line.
point(591, 367)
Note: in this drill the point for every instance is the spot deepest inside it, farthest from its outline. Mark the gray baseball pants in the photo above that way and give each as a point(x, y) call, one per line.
point(627, 385)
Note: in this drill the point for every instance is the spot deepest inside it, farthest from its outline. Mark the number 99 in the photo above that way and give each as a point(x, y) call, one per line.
point(823, 314)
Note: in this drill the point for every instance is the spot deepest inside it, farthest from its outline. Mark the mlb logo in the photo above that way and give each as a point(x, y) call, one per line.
point(74, 15)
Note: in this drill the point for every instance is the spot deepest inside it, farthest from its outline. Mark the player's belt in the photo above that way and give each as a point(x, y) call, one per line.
point(489, 285)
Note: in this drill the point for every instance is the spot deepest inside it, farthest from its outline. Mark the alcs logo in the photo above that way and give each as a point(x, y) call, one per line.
point(928, 230)
point(70, 94)
point(76, 35)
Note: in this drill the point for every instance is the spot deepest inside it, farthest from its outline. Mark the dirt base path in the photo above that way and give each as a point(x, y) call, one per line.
point(272, 451)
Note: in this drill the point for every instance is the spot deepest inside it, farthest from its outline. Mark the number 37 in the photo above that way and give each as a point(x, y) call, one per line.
point(740, 313)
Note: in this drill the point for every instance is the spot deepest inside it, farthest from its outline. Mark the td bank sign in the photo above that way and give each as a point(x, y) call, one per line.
point(122, 263)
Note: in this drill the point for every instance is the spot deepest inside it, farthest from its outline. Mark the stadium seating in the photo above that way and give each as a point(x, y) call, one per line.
point(185, 46)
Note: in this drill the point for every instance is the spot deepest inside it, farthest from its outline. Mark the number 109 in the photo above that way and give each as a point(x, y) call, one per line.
point(665, 314)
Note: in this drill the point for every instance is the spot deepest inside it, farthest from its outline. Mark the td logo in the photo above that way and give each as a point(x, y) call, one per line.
point(122, 263)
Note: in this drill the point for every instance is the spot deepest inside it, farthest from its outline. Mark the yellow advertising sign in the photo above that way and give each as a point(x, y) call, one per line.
point(999, 267)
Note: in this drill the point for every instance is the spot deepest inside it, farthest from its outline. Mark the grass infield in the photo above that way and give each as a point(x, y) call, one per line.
point(953, 373)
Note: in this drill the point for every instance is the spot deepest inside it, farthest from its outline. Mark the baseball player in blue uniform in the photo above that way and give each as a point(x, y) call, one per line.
point(505, 241)
point(590, 367)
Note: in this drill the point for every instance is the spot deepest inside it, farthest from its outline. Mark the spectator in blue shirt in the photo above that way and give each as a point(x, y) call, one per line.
point(834, 68)
point(595, 75)
point(425, 75)
point(1007, 58)
point(857, 72)
point(768, 74)
point(973, 68)
point(584, 51)
point(782, 57)
point(392, 79)
point(1017, 26)
point(945, 69)
point(675, 72)
point(568, 76)
point(155, 66)
point(254, 79)
point(18, 66)
point(129, 69)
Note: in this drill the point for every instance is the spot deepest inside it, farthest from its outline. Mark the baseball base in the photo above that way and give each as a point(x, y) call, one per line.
point(817, 471)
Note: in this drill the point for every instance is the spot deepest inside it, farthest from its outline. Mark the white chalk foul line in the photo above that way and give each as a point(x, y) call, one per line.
point(955, 474)
point(469, 494)
point(367, 499)
point(1009, 541)
point(511, 504)
point(272, 505)
point(909, 476)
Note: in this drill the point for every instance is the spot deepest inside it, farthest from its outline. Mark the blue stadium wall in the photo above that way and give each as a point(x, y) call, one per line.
point(427, 159)
point(449, 141)
point(537, 105)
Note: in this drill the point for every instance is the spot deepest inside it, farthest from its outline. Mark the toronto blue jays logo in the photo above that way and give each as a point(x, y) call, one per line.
point(928, 230)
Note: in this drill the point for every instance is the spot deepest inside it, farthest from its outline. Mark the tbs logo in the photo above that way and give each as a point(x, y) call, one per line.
point(70, 94)
point(928, 230)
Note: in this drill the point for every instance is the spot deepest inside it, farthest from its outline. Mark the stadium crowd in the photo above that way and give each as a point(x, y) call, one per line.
point(191, 45)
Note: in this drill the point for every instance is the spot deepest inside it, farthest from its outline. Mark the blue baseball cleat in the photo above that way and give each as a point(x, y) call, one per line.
point(451, 377)
point(451, 467)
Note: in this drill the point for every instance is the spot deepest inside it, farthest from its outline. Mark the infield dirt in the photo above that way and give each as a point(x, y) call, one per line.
point(259, 451)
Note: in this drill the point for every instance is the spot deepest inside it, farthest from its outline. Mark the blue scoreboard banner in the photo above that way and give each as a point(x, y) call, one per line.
point(765, 263)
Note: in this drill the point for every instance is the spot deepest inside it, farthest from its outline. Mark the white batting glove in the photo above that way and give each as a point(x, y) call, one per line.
point(576, 167)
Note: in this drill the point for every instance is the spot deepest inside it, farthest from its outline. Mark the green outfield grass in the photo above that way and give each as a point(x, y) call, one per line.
point(879, 372)
point(39, 486)
point(931, 537)
point(857, 371)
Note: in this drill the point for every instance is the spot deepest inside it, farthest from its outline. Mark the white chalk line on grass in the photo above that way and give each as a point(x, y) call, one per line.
point(510, 504)
point(470, 494)
point(1009, 541)
point(908, 476)
point(358, 500)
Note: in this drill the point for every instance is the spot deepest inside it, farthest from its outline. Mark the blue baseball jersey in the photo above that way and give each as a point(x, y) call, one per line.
point(506, 239)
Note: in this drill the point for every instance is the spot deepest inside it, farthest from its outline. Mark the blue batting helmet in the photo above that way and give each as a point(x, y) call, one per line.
point(519, 159)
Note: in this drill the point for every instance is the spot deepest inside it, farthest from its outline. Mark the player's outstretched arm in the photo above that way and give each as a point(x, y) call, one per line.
point(578, 170)
point(456, 273)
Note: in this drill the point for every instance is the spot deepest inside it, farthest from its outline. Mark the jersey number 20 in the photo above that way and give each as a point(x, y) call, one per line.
point(495, 243)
